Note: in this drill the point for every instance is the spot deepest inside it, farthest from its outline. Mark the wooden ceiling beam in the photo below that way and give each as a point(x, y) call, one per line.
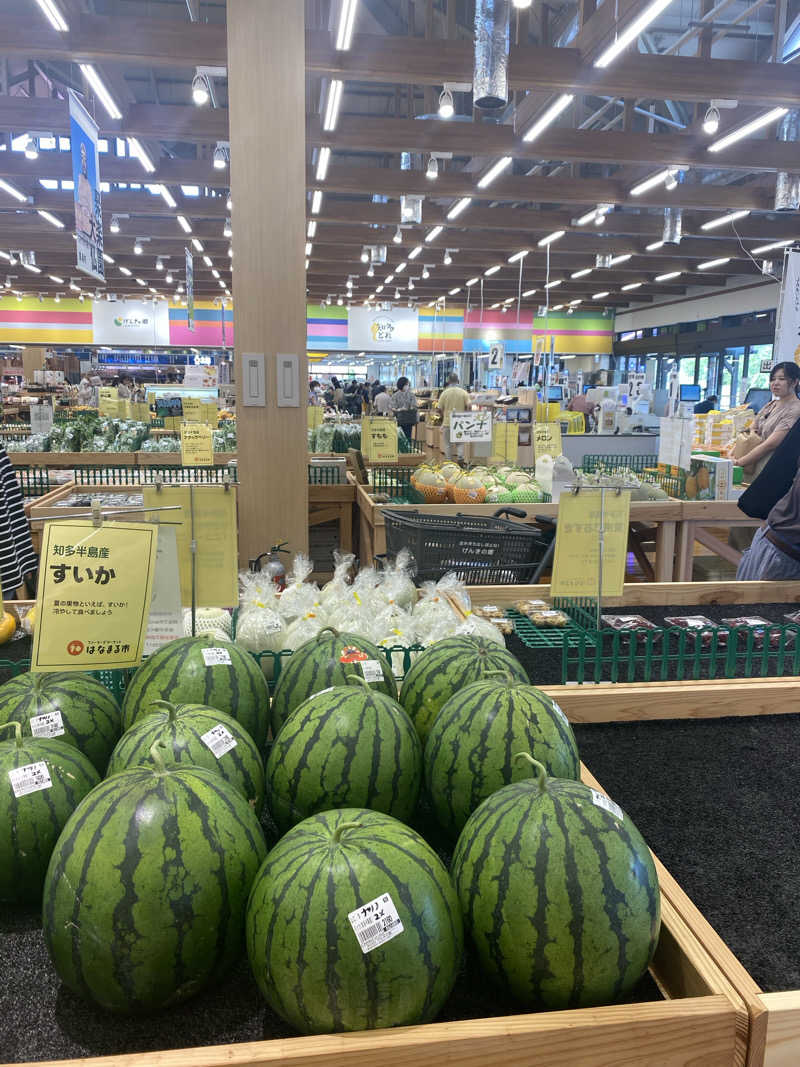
point(166, 122)
point(16, 168)
point(388, 136)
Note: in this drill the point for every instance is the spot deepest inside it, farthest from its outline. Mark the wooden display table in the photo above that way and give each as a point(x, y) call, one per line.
point(333, 502)
point(698, 517)
point(662, 517)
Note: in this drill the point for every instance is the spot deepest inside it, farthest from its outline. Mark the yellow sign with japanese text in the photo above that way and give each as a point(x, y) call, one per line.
point(140, 412)
point(505, 441)
point(546, 439)
point(107, 401)
point(93, 600)
point(192, 409)
point(211, 511)
point(581, 516)
point(211, 413)
point(314, 416)
point(197, 445)
point(379, 439)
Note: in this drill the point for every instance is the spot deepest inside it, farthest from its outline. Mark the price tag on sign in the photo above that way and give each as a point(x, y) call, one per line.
point(471, 426)
point(30, 779)
point(219, 740)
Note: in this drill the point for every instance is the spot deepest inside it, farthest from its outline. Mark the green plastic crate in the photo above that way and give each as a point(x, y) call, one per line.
point(611, 464)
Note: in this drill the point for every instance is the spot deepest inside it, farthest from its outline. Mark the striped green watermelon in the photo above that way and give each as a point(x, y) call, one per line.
point(330, 658)
point(178, 672)
point(444, 668)
point(559, 893)
point(349, 746)
point(471, 747)
point(31, 822)
point(327, 872)
point(193, 733)
point(76, 708)
point(146, 892)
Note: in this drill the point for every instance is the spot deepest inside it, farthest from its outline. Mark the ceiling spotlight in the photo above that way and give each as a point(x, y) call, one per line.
point(137, 247)
point(340, 301)
point(371, 272)
point(32, 148)
point(432, 172)
point(114, 227)
point(397, 294)
point(220, 157)
point(226, 229)
point(426, 273)
point(410, 284)
point(364, 256)
point(200, 93)
point(159, 263)
point(711, 121)
point(229, 203)
point(398, 236)
point(57, 298)
point(447, 259)
point(168, 278)
point(521, 5)
point(446, 106)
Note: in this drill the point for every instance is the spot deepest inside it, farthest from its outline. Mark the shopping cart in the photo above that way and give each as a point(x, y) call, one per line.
point(480, 549)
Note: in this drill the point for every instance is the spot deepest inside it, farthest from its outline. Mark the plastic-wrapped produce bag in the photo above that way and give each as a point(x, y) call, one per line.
point(300, 596)
point(396, 581)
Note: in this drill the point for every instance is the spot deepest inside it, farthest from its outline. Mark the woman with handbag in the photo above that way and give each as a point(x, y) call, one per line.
point(404, 406)
point(776, 418)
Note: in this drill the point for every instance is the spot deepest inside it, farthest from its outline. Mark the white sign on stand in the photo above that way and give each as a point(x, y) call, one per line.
point(787, 323)
point(471, 427)
point(675, 442)
point(166, 613)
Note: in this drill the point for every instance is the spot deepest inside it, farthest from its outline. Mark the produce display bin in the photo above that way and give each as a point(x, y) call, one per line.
point(594, 461)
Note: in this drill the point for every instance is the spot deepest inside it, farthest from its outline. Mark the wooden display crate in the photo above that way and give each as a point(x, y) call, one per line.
point(173, 459)
point(44, 505)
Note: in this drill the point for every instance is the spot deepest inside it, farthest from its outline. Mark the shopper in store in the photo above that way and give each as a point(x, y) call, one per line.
point(775, 552)
point(453, 398)
point(404, 406)
point(338, 393)
point(382, 402)
point(124, 389)
point(776, 418)
point(704, 406)
point(85, 392)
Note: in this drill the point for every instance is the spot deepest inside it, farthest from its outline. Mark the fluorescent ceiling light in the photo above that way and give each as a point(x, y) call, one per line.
point(574, 303)
point(198, 245)
point(12, 191)
point(633, 285)
point(434, 233)
point(323, 162)
point(654, 246)
point(581, 273)
point(126, 272)
point(215, 272)
point(599, 296)
point(379, 289)
point(471, 282)
point(316, 202)
point(347, 18)
point(59, 225)
point(493, 307)
point(552, 285)
point(493, 270)
point(518, 256)
point(141, 281)
point(651, 182)
point(548, 116)
point(556, 307)
point(312, 228)
point(400, 268)
point(723, 220)
point(551, 237)
point(55, 278)
point(388, 279)
point(415, 252)
point(208, 263)
point(54, 16)
point(530, 292)
point(772, 247)
point(32, 268)
point(456, 291)
point(169, 199)
point(588, 217)
point(184, 223)
point(108, 259)
point(620, 259)
point(100, 91)
point(459, 206)
point(709, 263)
point(667, 277)
point(631, 32)
point(494, 171)
point(138, 151)
point(749, 127)
point(333, 104)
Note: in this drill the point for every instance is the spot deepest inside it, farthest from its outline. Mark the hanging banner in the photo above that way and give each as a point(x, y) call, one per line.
point(197, 445)
point(189, 289)
point(379, 440)
point(505, 441)
point(546, 439)
point(787, 323)
point(165, 622)
point(93, 600)
point(381, 331)
point(576, 567)
point(211, 511)
point(470, 427)
point(86, 179)
point(497, 355)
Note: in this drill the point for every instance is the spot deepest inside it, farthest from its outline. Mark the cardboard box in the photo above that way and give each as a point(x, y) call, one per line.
point(710, 478)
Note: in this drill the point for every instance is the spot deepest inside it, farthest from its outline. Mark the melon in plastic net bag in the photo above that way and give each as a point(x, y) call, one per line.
point(397, 585)
point(208, 620)
point(257, 590)
point(260, 629)
point(474, 626)
point(300, 596)
point(303, 629)
point(339, 586)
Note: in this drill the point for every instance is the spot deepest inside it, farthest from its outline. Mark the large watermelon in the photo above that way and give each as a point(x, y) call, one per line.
point(146, 893)
point(340, 868)
point(348, 747)
point(450, 665)
point(471, 747)
point(559, 893)
point(231, 681)
point(330, 658)
point(31, 821)
point(73, 707)
point(195, 734)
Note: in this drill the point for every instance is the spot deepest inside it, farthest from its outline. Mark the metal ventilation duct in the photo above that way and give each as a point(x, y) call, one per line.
point(787, 186)
point(673, 222)
point(602, 259)
point(490, 81)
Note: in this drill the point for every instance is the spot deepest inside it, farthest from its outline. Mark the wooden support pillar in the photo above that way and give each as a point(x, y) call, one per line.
point(266, 90)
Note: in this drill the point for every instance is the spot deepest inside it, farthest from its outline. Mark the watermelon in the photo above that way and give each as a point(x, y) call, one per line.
point(350, 746)
point(471, 747)
point(146, 893)
point(232, 681)
point(444, 668)
point(78, 710)
point(559, 893)
point(333, 870)
point(30, 823)
point(194, 734)
point(329, 659)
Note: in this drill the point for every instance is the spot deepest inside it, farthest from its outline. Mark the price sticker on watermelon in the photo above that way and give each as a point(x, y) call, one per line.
point(375, 923)
point(50, 724)
point(216, 657)
point(600, 800)
point(372, 670)
point(219, 740)
point(30, 779)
